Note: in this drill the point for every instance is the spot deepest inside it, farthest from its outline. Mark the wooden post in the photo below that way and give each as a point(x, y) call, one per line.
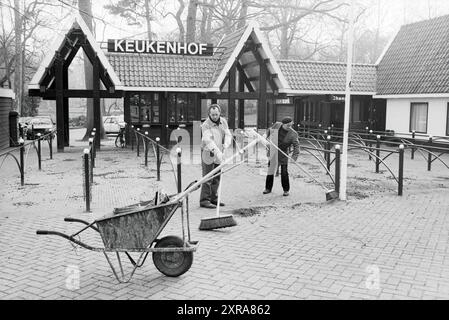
point(262, 106)
point(96, 98)
point(59, 82)
point(66, 108)
point(231, 99)
point(241, 102)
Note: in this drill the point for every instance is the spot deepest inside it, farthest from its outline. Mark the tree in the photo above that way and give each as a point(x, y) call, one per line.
point(135, 12)
point(288, 17)
point(85, 10)
point(19, 45)
point(191, 21)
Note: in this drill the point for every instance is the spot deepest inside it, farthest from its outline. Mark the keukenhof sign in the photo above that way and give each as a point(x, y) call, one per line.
point(159, 47)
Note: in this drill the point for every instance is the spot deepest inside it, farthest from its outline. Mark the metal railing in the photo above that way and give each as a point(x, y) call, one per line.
point(24, 148)
point(88, 160)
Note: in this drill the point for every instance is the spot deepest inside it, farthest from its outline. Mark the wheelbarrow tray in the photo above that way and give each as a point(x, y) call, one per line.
point(135, 229)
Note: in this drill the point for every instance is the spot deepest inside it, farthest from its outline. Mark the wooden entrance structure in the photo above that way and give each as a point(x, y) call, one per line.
point(51, 82)
point(251, 73)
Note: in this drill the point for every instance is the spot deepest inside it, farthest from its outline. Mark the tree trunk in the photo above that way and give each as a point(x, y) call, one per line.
point(208, 36)
point(179, 21)
point(18, 57)
point(191, 21)
point(85, 10)
point(148, 18)
point(204, 16)
point(284, 36)
point(243, 14)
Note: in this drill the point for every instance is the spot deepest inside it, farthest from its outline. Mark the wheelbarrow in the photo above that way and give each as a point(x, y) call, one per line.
point(136, 228)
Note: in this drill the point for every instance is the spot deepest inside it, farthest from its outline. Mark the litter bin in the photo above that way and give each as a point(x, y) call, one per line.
point(13, 129)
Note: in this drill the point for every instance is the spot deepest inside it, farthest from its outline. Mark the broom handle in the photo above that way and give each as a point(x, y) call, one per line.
point(297, 164)
point(201, 181)
point(219, 193)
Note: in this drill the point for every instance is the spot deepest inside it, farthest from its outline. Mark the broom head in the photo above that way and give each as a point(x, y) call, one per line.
point(332, 195)
point(217, 222)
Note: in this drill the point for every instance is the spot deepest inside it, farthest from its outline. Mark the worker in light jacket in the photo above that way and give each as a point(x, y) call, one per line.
point(283, 135)
point(216, 138)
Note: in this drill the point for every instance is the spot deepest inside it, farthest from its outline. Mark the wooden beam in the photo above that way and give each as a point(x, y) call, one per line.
point(244, 79)
point(242, 95)
point(65, 85)
point(250, 64)
point(264, 66)
point(96, 97)
point(59, 68)
point(262, 107)
point(75, 93)
point(231, 99)
point(241, 102)
point(255, 78)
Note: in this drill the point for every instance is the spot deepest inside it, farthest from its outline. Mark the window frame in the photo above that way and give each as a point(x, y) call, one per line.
point(190, 109)
point(140, 106)
point(427, 117)
point(447, 120)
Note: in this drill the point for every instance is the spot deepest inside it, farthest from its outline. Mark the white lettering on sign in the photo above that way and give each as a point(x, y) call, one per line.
point(129, 46)
point(183, 47)
point(203, 48)
point(140, 46)
point(194, 50)
point(171, 47)
point(118, 45)
point(159, 47)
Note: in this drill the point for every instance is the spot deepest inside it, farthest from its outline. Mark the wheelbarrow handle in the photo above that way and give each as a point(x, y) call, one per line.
point(89, 224)
point(70, 238)
point(43, 232)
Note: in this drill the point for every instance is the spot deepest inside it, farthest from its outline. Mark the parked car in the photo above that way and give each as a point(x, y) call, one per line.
point(23, 125)
point(112, 124)
point(42, 125)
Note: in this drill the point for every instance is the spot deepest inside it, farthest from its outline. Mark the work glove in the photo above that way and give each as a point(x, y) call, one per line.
point(219, 156)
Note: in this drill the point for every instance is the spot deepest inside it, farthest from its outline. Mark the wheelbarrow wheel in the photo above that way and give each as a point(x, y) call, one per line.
point(172, 264)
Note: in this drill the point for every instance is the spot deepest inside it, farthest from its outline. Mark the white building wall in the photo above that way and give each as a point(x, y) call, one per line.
point(398, 115)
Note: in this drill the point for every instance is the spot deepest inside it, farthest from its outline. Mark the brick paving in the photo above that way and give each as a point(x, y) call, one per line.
point(374, 246)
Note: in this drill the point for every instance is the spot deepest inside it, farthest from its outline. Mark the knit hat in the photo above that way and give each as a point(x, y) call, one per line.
point(287, 120)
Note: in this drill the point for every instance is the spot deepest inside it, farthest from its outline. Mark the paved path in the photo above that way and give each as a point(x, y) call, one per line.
point(374, 246)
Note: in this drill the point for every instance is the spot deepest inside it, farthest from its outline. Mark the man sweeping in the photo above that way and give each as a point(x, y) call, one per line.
point(216, 138)
point(283, 135)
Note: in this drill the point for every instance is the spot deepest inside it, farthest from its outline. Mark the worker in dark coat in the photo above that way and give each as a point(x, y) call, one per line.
point(283, 135)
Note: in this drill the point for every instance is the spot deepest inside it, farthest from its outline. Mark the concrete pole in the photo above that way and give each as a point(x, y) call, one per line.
point(344, 156)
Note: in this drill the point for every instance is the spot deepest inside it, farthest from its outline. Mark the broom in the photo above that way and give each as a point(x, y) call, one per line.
point(330, 194)
point(218, 221)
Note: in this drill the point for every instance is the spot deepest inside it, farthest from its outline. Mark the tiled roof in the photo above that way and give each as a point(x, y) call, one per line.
point(163, 71)
point(227, 46)
point(417, 61)
point(326, 76)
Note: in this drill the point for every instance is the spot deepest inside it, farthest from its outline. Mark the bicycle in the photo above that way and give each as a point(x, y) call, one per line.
point(120, 140)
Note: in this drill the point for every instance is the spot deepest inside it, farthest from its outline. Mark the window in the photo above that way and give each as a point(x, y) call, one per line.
point(181, 107)
point(418, 117)
point(356, 111)
point(134, 108)
point(447, 120)
point(144, 107)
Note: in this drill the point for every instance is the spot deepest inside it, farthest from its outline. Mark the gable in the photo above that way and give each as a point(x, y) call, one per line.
point(65, 48)
point(417, 61)
point(236, 45)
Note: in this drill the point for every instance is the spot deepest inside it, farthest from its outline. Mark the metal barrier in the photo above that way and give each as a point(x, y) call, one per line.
point(158, 150)
point(88, 159)
point(358, 144)
point(23, 156)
